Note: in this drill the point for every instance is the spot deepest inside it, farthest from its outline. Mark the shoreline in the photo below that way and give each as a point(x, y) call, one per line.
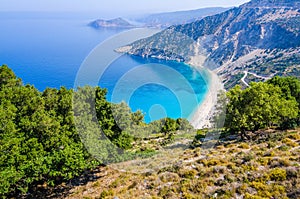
point(200, 118)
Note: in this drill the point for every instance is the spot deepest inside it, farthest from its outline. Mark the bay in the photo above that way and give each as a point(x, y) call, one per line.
point(48, 50)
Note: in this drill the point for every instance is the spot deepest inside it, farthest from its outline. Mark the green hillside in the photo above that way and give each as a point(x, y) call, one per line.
point(252, 154)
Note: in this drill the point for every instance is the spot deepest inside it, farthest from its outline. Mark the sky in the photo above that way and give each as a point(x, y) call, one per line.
point(113, 6)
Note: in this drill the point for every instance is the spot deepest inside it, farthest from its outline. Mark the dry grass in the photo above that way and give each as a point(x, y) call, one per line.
point(265, 168)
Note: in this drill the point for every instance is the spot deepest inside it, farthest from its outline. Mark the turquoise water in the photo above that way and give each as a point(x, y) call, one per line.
point(48, 52)
point(159, 88)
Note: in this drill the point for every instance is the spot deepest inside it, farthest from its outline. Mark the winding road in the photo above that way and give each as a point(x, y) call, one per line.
point(255, 75)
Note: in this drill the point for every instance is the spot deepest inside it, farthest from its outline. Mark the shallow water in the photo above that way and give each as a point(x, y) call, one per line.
point(48, 52)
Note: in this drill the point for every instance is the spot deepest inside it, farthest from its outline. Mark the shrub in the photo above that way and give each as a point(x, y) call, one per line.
point(189, 174)
point(183, 124)
point(249, 167)
point(269, 191)
point(294, 136)
point(249, 196)
point(244, 146)
point(278, 174)
point(200, 135)
point(271, 144)
point(279, 162)
point(277, 191)
point(169, 177)
point(284, 147)
point(289, 142)
point(105, 193)
point(269, 154)
point(169, 125)
point(242, 189)
point(167, 192)
point(248, 157)
point(124, 141)
point(211, 162)
point(263, 161)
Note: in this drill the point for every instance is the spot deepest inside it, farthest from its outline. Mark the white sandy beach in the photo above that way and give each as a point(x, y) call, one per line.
point(201, 117)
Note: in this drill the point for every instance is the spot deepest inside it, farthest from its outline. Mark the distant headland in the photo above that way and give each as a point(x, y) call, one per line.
point(117, 22)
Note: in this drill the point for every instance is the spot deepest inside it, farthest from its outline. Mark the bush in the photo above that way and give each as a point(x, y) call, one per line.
point(249, 196)
point(244, 146)
point(183, 124)
point(200, 134)
point(262, 105)
point(124, 141)
point(211, 162)
point(289, 142)
point(168, 177)
point(104, 194)
point(277, 174)
point(190, 174)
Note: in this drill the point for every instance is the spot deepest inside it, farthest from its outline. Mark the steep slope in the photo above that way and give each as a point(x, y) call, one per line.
point(265, 168)
point(261, 36)
point(164, 20)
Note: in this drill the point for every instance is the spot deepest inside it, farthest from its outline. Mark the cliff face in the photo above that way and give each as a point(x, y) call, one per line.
point(262, 29)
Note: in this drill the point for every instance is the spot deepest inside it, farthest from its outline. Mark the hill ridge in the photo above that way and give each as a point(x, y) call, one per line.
point(232, 36)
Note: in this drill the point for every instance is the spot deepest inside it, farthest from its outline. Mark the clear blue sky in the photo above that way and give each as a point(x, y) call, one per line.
point(115, 6)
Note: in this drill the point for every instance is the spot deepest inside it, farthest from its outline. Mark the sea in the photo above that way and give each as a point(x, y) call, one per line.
point(47, 50)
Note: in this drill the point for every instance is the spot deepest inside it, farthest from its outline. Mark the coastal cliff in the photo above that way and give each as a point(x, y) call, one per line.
point(261, 36)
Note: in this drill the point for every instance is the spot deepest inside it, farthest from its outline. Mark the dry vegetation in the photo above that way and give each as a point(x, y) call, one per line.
point(267, 167)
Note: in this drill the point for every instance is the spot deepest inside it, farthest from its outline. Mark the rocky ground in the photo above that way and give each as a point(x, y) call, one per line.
point(266, 167)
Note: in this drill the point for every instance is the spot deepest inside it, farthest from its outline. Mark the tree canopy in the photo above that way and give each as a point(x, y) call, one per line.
point(262, 105)
point(42, 133)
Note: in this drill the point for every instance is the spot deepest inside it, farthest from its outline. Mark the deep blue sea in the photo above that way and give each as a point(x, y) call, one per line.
point(47, 50)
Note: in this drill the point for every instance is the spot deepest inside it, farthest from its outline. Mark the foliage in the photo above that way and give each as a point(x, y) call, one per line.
point(259, 106)
point(42, 133)
point(219, 115)
point(183, 124)
point(124, 141)
point(231, 169)
point(278, 174)
point(169, 125)
point(290, 87)
point(37, 139)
